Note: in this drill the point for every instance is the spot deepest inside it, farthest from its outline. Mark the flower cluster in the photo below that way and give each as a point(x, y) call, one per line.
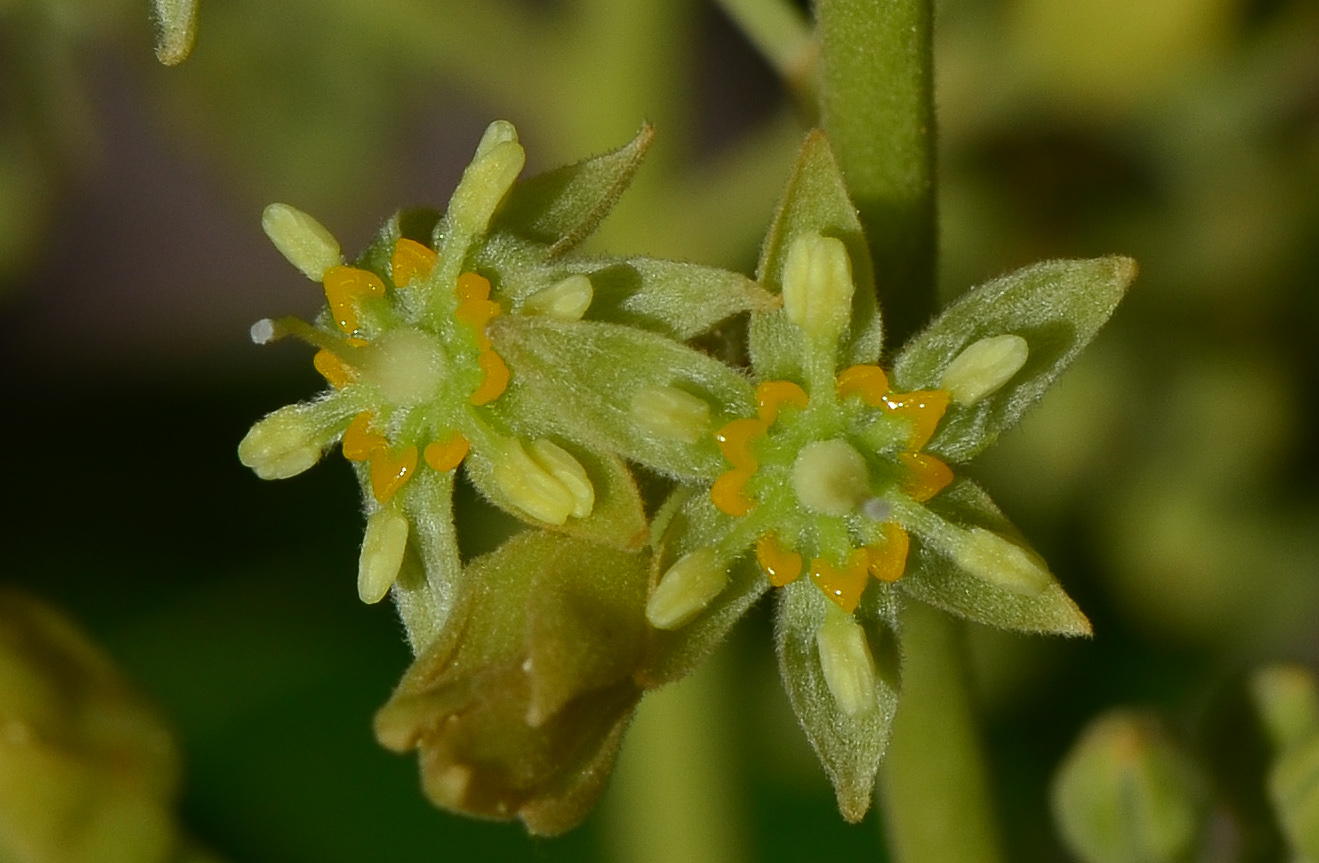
point(480, 338)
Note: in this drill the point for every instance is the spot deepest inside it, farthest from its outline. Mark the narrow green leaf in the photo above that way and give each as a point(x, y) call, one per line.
point(815, 201)
point(1056, 306)
point(689, 521)
point(561, 207)
point(593, 382)
point(618, 518)
point(850, 746)
point(934, 578)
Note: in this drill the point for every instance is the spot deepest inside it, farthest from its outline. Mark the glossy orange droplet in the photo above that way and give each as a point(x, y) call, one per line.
point(773, 396)
point(358, 439)
point(843, 584)
point(390, 470)
point(338, 373)
point(729, 492)
point(868, 382)
point(477, 314)
point(888, 562)
point(495, 381)
point(922, 409)
point(447, 454)
point(735, 440)
point(411, 260)
point(926, 475)
point(781, 564)
point(345, 287)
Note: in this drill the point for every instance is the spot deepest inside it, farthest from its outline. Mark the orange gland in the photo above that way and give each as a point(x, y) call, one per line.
point(447, 454)
point(411, 260)
point(470, 286)
point(868, 382)
point(773, 396)
point(335, 371)
point(390, 470)
point(888, 562)
point(729, 492)
point(359, 441)
point(781, 564)
point(843, 584)
point(344, 286)
point(926, 475)
point(922, 409)
point(735, 440)
point(495, 381)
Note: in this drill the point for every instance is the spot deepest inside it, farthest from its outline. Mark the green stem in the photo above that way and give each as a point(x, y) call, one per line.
point(877, 106)
point(934, 784)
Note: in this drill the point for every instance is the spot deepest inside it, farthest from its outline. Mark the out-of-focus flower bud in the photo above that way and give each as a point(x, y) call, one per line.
point(518, 708)
point(88, 771)
point(1288, 701)
point(1127, 794)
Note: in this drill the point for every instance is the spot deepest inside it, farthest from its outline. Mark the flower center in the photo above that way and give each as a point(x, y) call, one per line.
point(830, 477)
point(406, 365)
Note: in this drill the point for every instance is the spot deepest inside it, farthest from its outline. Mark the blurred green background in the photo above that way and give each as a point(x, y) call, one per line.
point(1170, 480)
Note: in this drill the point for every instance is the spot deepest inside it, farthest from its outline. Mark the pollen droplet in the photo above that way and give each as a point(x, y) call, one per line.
point(389, 471)
point(735, 442)
point(729, 492)
point(447, 454)
point(358, 439)
point(333, 369)
point(888, 562)
point(344, 286)
point(842, 584)
point(922, 409)
point(926, 475)
point(495, 381)
point(781, 564)
point(411, 260)
point(772, 396)
point(868, 382)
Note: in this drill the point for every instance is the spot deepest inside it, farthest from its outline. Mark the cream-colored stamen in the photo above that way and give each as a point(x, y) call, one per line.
point(282, 445)
point(569, 472)
point(567, 300)
point(670, 413)
point(382, 554)
point(988, 556)
point(849, 669)
point(305, 242)
point(685, 589)
point(983, 367)
point(817, 285)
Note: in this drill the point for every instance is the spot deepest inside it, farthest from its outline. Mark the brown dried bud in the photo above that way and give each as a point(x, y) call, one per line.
point(517, 709)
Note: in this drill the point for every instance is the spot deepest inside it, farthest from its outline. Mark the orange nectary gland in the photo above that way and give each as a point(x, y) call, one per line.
point(843, 584)
point(344, 287)
point(390, 470)
point(476, 310)
point(773, 396)
point(410, 261)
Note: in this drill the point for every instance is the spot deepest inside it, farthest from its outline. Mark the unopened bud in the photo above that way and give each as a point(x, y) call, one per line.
point(830, 477)
point(817, 285)
point(990, 557)
point(306, 243)
point(849, 669)
point(983, 367)
point(1286, 698)
point(499, 160)
point(687, 588)
point(548, 484)
point(282, 445)
point(1126, 794)
point(567, 300)
point(382, 554)
point(671, 413)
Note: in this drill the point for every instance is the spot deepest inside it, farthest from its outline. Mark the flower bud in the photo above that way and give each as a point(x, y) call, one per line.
point(983, 367)
point(988, 556)
point(670, 413)
point(687, 587)
point(1126, 794)
point(849, 669)
point(306, 243)
point(817, 286)
point(567, 300)
point(284, 444)
point(1288, 703)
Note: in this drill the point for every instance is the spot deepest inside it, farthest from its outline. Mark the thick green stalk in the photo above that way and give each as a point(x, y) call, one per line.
point(877, 105)
point(933, 784)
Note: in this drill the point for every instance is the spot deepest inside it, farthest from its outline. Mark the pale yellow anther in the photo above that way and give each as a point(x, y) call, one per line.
point(817, 286)
point(685, 589)
point(282, 445)
point(533, 487)
point(382, 554)
point(830, 477)
point(990, 557)
point(570, 474)
point(983, 367)
point(567, 300)
point(406, 365)
point(499, 160)
point(849, 669)
point(671, 413)
point(306, 243)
